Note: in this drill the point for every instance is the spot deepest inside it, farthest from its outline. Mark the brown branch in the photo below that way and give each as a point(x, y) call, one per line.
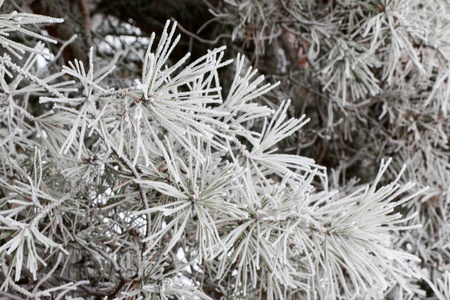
point(118, 289)
point(86, 18)
point(201, 40)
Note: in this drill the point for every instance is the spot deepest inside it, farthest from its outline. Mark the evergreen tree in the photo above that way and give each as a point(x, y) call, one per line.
point(131, 170)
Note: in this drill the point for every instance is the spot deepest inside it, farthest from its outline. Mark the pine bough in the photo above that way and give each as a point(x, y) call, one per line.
point(171, 188)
